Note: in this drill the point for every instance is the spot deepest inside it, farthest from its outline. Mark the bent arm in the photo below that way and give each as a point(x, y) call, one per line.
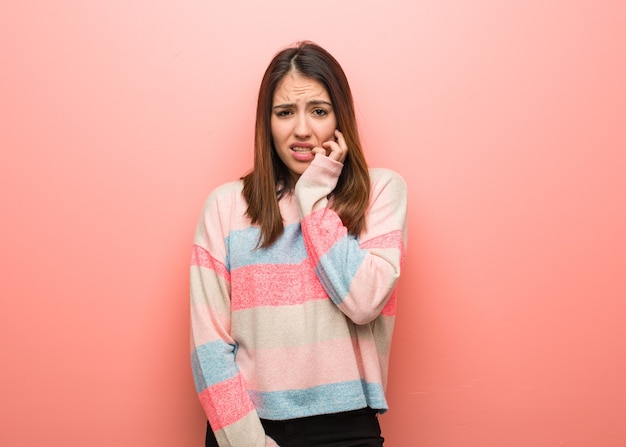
point(359, 274)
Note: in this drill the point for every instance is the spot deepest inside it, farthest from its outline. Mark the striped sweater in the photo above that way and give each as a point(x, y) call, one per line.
point(300, 328)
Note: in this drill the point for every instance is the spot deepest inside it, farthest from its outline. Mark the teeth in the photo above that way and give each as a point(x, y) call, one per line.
point(300, 149)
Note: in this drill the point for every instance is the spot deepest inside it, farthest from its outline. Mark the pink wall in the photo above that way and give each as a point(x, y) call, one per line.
point(507, 119)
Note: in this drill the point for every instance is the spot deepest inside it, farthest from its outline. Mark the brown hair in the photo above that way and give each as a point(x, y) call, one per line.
point(270, 179)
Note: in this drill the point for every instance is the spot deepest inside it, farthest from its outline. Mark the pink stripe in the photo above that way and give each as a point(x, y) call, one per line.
point(392, 239)
point(226, 402)
point(262, 285)
point(325, 229)
point(369, 361)
point(202, 258)
point(332, 361)
point(390, 307)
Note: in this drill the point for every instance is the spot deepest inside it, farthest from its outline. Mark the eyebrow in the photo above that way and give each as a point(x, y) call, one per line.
point(314, 102)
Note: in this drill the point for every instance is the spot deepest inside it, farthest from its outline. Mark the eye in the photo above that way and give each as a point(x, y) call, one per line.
point(320, 112)
point(283, 113)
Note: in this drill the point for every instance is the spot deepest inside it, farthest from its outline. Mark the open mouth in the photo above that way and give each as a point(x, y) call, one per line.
point(301, 149)
point(301, 146)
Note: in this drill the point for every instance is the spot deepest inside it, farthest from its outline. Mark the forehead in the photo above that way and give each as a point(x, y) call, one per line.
point(294, 86)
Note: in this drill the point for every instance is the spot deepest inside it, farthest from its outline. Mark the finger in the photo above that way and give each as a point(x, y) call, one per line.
point(341, 141)
point(332, 149)
point(338, 149)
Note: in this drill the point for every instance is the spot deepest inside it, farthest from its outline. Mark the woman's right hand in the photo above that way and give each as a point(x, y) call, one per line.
point(336, 149)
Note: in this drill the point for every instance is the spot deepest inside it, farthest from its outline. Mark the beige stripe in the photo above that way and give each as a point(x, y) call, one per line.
point(382, 328)
point(208, 288)
point(271, 327)
point(307, 324)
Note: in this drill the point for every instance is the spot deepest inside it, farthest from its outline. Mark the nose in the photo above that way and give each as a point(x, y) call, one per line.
point(302, 128)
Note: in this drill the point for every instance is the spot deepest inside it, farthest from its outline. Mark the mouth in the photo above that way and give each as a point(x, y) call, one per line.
point(302, 151)
point(301, 147)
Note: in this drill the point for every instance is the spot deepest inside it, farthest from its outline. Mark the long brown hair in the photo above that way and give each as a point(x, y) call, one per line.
point(270, 179)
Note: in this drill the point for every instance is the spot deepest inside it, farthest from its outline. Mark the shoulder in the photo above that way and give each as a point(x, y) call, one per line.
point(228, 189)
point(225, 195)
point(223, 210)
point(386, 179)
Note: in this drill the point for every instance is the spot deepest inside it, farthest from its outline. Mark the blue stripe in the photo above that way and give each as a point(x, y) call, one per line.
point(288, 249)
point(323, 399)
point(212, 363)
point(336, 269)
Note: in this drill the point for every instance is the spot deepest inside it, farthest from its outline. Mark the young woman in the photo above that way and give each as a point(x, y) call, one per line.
point(294, 270)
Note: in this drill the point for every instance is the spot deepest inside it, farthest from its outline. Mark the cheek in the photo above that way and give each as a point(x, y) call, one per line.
point(327, 131)
point(276, 132)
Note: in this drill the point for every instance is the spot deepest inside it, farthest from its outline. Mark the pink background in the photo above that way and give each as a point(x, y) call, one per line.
point(507, 119)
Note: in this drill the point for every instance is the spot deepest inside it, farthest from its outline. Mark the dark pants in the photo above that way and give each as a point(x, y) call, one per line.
point(358, 428)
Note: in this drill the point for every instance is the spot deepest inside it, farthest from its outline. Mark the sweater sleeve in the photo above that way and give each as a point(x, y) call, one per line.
point(220, 386)
point(359, 274)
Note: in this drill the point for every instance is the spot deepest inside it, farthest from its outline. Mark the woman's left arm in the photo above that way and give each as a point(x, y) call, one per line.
point(359, 274)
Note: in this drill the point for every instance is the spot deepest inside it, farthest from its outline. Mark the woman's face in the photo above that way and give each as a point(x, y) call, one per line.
point(302, 119)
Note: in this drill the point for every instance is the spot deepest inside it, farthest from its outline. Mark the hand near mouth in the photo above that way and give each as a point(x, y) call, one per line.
point(334, 149)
